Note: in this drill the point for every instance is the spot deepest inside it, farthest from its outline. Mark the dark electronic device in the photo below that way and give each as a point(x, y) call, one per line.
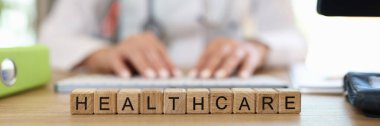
point(368, 8)
point(363, 92)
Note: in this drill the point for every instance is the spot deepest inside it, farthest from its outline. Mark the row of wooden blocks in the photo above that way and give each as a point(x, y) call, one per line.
point(182, 101)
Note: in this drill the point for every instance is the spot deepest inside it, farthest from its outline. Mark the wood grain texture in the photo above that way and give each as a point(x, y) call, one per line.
point(266, 101)
point(244, 100)
point(128, 101)
point(198, 101)
point(175, 101)
point(105, 101)
point(82, 101)
point(43, 106)
point(151, 101)
point(221, 101)
point(289, 101)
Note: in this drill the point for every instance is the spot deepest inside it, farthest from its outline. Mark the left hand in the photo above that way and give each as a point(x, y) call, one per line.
point(224, 56)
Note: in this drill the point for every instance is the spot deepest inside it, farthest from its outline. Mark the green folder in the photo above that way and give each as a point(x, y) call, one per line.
point(32, 68)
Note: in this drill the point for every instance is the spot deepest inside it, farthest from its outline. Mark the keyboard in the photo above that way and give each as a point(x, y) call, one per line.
point(109, 81)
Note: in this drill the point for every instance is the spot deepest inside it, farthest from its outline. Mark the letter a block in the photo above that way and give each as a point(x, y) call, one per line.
point(105, 101)
point(128, 101)
point(244, 100)
point(82, 101)
point(197, 101)
point(151, 101)
point(175, 101)
point(220, 100)
point(266, 101)
point(289, 101)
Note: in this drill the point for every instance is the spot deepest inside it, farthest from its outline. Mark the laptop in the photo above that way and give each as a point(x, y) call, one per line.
point(110, 81)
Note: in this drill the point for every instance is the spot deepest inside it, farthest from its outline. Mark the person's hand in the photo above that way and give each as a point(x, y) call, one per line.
point(142, 53)
point(223, 57)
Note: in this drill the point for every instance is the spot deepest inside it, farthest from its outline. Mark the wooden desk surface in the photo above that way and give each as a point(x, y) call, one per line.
point(44, 106)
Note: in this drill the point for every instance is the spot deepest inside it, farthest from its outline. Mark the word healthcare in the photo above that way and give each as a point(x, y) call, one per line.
point(185, 101)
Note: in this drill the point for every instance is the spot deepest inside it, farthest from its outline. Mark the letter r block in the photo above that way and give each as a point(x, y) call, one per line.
point(82, 101)
point(221, 100)
point(266, 101)
point(289, 101)
point(197, 101)
point(175, 101)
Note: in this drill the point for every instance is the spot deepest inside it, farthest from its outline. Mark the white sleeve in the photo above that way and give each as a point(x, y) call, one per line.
point(70, 32)
point(276, 28)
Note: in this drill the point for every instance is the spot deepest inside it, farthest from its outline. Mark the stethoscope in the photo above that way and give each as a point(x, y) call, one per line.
point(210, 29)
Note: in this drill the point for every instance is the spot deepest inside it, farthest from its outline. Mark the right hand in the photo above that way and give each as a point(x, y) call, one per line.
point(143, 52)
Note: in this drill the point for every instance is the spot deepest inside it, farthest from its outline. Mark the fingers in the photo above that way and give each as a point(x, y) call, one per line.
point(212, 64)
point(203, 61)
point(164, 57)
point(249, 65)
point(139, 61)
point(230, 64)
point(148, 56)
point(155, 62)
point(225, 57)
point(120, 68)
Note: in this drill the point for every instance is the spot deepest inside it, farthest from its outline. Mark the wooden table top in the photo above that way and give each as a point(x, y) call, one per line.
point(43, 106)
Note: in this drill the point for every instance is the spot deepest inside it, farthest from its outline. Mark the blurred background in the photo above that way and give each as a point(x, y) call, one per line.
point(335, 44)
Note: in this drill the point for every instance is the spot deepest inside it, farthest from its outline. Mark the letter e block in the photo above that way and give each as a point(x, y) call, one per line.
point(105, 101)
point(289, 101)
point(82, 101)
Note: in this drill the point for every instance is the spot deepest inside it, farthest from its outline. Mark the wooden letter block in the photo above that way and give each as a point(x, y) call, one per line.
point(105, 101)
point(197, 101)
point(128, 101)
point(221, 100)
point(175, 101)
point(289, 101)
point(151, 101)
point(244, 100)
point(82, 101)
point(266, 101)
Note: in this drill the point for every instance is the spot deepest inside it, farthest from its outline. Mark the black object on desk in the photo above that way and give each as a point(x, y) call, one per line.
point(363, 91)
point(367, 8)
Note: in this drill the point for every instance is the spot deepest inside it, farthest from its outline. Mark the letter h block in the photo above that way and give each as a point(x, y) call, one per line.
point(197, 101)
point(82, 101)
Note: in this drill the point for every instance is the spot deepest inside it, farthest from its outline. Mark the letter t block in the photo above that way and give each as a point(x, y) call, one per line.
point(175, 101)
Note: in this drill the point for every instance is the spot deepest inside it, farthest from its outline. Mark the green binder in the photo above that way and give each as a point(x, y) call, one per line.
point(23, 68)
